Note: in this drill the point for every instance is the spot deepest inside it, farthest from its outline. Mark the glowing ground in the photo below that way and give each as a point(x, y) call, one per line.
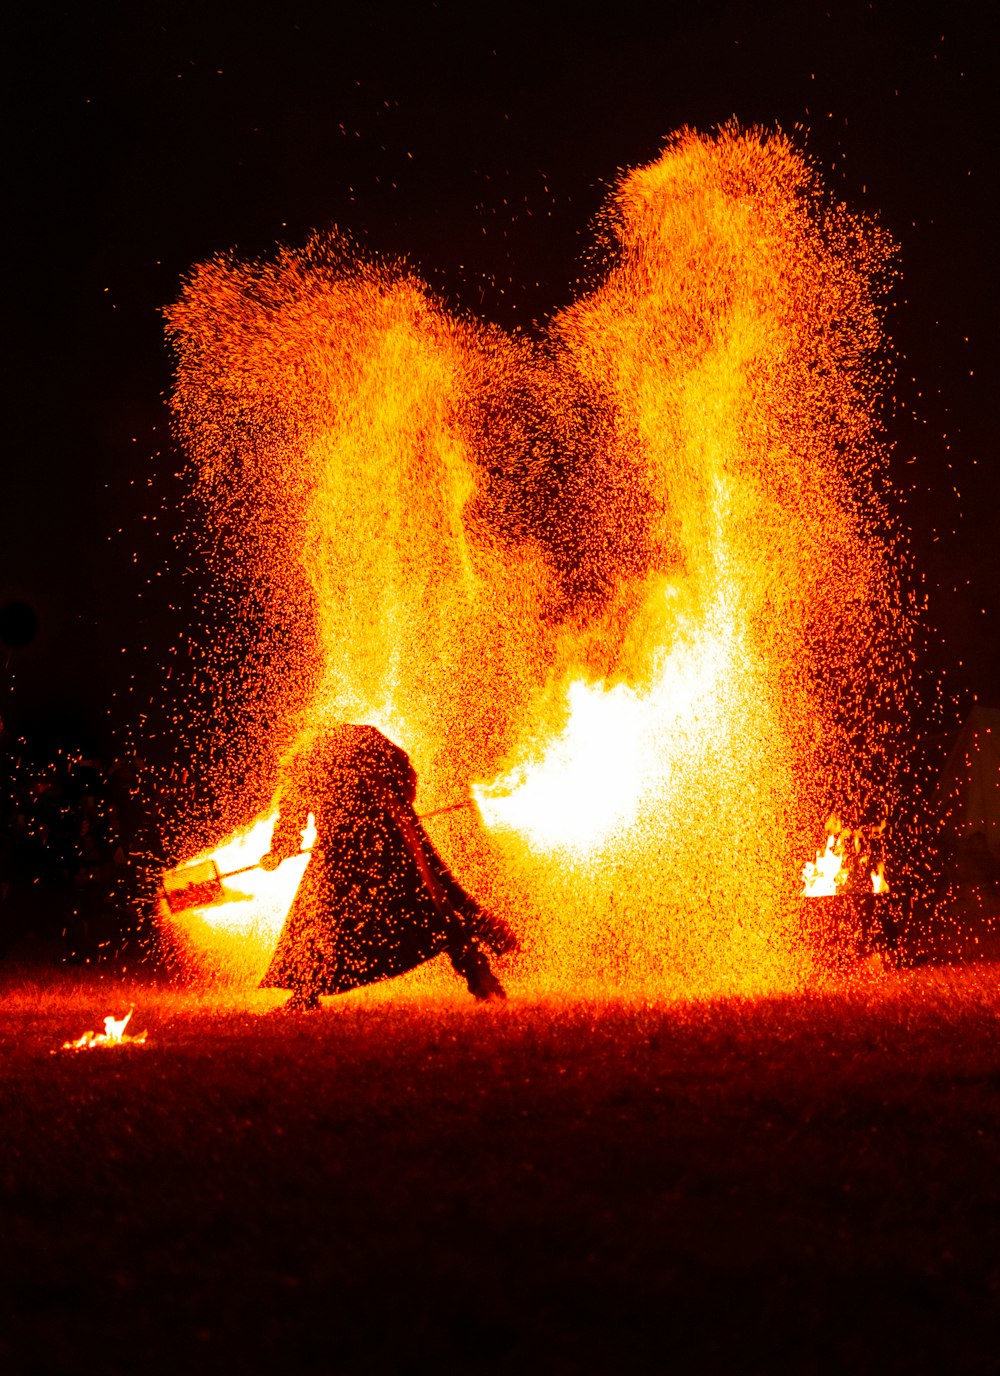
point(800, 1184)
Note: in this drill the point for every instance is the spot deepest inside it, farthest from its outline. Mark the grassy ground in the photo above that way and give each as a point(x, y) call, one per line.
point(403, 1183)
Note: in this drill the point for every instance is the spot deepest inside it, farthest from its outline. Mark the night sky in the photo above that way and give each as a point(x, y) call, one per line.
point(479, 142)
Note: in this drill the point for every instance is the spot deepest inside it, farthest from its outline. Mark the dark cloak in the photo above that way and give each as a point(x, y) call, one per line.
point(376, 899)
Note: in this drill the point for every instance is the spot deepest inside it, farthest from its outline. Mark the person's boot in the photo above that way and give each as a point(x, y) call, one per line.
point(485, 985)
point(474, 968)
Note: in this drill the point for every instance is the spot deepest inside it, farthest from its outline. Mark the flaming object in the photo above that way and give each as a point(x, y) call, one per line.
point(624, 577)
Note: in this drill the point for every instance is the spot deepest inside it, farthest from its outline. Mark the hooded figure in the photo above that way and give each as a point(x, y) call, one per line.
point(376, 899)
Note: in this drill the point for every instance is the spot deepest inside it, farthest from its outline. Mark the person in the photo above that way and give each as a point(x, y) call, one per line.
point(376, 899)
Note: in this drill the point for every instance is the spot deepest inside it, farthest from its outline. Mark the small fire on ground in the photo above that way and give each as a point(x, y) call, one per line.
point(842, 863)
point(114, 1034)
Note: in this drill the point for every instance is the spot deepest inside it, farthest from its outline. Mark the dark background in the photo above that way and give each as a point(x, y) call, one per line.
point(480, 142)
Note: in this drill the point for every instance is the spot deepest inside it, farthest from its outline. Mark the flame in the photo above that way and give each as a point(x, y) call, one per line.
point(239, 931)
point(826, 876)
point(879, 882)
point(114, 1034)
point(618, 751)
point(831, 872)
point(623, 578)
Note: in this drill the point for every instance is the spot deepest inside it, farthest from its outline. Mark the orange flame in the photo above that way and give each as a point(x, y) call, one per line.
point(114, 1034)
point(826, 876)
point(830, 873)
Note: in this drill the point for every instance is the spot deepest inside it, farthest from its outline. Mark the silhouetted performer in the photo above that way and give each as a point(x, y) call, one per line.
point(376, 899)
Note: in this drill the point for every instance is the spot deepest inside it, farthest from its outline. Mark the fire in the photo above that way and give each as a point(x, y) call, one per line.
point(825, 876)
point(622, 578)
point(847, 852)
point(239, 931)
point(114, 1034)
point(879, 882)
point(617, 751)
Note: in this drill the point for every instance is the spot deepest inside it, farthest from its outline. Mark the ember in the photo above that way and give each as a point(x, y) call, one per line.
point(625, 579)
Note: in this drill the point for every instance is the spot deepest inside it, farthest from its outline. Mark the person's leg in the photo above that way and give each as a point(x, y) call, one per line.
point(471, 963)
point(303, 1000)
point(305, 978)
point(494, 932)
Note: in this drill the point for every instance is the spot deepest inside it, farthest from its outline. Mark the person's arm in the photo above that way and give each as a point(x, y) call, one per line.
point(286, 839)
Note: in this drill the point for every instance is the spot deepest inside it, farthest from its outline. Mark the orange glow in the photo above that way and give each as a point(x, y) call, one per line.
point(114, 1034)
point(621, 580)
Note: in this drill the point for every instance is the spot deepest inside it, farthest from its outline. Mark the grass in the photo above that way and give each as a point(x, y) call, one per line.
point(407, 1181)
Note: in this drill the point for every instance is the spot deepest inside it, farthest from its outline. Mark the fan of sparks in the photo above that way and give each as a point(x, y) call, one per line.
point(627, 580)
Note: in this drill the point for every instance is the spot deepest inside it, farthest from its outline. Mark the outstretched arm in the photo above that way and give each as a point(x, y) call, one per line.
point(286, 839)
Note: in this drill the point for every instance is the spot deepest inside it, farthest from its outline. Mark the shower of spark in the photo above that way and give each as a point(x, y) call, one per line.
point(629, 581)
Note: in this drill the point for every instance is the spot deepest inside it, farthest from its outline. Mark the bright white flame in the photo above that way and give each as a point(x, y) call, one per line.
point(258, 900)
point(824, 877)
point(827, 875)
point(115, 1027)
point(619, 749)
